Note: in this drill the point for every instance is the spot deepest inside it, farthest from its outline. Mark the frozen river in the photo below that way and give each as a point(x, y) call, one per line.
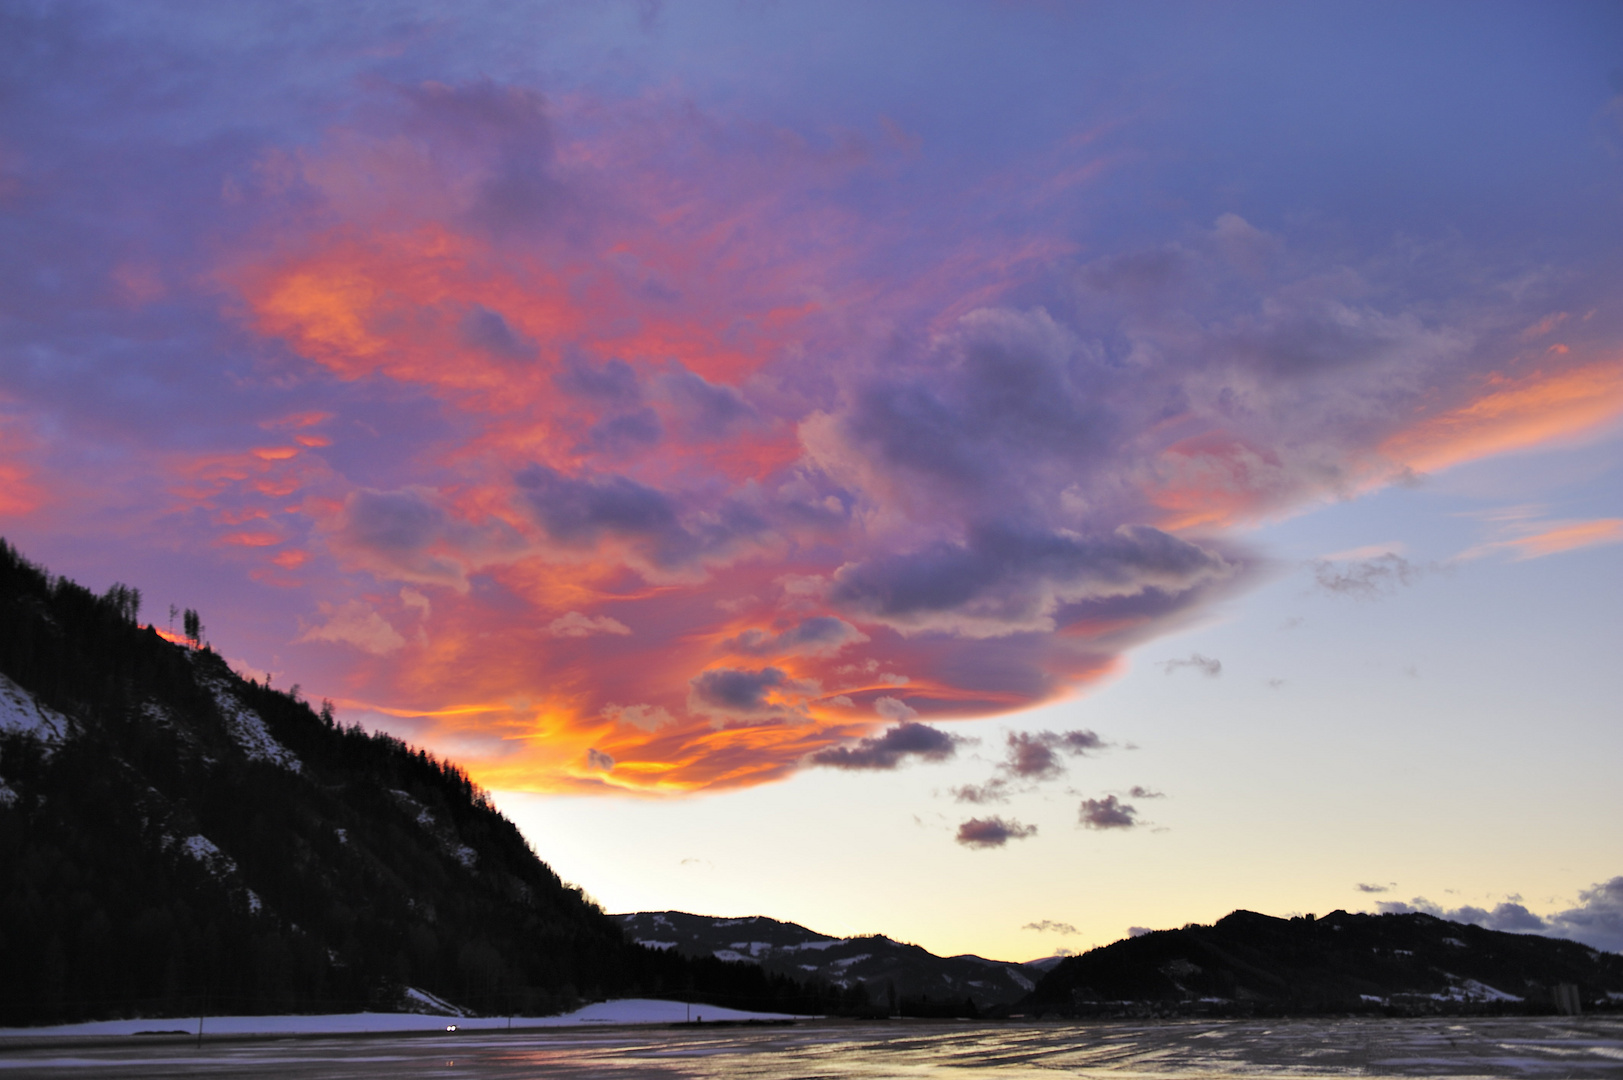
point(1566, 1047)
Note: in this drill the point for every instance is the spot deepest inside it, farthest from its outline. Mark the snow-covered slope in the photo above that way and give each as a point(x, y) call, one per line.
point(20, 713)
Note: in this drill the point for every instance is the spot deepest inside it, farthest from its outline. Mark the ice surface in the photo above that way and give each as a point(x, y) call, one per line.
point(20, 713)
point(587, 1048)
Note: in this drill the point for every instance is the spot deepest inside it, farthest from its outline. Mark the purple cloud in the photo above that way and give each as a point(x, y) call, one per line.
point(1107, 813)
point(992, 832)
point(891, 749)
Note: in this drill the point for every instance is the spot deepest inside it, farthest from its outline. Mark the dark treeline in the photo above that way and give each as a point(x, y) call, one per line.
point(153, 864)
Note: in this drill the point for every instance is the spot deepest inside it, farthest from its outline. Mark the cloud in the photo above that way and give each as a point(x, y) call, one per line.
point(1139, 931)
point(345, 310)
point(356, 623)
point(404, 535)
point(891, 749)
point(597, 759)
point(821, 635)
point(1035, 755)
point(1596, 920)
point(1204, 664)
point(894, 708)
point(995, 790)
point(576, 625)
point(1049, 926)
point(1006, 581)
point(1367, 579)
point(1361, 887)
point(1144, 793)
point(732, 691)
point(1107, 813)
point(992, 832)
point(1540, 539)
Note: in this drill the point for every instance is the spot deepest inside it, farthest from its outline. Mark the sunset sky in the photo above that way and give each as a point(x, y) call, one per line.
point(995, 474)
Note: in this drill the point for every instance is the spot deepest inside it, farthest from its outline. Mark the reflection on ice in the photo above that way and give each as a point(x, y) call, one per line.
point(1280, 1050)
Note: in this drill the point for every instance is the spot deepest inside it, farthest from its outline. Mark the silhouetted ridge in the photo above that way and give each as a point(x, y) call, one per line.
point(175, 838)
point(1251, 963)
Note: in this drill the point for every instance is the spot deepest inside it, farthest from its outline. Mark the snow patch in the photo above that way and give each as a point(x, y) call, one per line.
point(21, 714)
point(421, 1001)
point(646, 942)
point(447, 839)
point(208, 853)
point(734, 956)
point(249, 730)
point(8, 797)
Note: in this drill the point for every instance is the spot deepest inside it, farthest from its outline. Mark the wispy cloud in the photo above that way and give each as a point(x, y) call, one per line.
point(1049, 926)
point(1206, 665)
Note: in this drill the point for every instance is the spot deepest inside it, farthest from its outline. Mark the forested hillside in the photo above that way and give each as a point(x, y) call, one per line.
point(175, 838)
point(1247, 963)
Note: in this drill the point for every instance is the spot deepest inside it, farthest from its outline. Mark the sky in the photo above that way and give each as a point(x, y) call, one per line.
point(994, 474)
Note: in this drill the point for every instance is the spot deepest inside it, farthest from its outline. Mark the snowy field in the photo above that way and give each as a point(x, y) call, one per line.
point(918, 1050)
point(625, 1011)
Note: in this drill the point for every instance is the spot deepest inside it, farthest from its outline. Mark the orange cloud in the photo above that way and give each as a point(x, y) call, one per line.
point(1514, 414)
point(1565, 536)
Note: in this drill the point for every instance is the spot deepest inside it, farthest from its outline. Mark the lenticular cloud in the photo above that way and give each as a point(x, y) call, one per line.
point(621, 446)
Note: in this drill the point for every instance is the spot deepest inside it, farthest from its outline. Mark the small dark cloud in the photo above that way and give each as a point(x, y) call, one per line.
point(597, 759)
point(581, 510)
point(705, 409)
point(612, 383)
point(1275, 684)
point(625, 433)
point(1367, 579)
point(1035, 755)
point(891, 749)
point(1107, 813)
point(1138, 792)
point(1204, 664)
point(485, 329)
point(735, 691)
point(1050, 926)
point(1361, 887)
point(1139, 931)
point(992, 832)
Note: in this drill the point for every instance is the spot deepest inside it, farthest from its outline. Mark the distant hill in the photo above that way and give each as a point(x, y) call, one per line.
point(1250, 963)
point(923, 983)
point(175, 838)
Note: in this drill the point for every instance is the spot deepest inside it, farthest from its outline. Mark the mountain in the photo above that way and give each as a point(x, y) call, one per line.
point(903, 977)
point(175, 838)
point(1249, 963)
